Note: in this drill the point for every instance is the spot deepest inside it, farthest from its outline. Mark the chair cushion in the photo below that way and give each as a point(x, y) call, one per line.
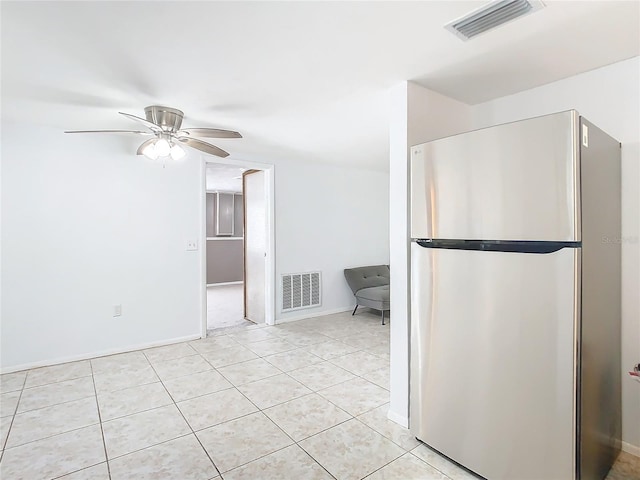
point(376, 294)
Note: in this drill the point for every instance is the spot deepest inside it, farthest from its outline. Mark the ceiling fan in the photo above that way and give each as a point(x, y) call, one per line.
point(163, 123)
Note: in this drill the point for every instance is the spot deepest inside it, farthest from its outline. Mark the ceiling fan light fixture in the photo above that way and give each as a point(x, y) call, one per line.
point(162, 147)
point(164, 125)
point(150, 151)
point(177, 152)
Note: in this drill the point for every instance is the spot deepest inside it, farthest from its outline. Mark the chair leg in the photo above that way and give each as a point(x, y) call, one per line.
point(354, 310)
point(383, 317)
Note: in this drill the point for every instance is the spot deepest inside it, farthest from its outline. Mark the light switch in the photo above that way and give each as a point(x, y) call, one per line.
point(192, 245)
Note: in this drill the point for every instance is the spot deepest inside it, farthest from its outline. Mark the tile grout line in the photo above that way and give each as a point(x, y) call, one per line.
point(302, 348)
point(74, 430)
point(296, 380)
point(276, 451)
point(199, 395)
point(255, 459)
point(353, 417)
point(316, 392)
point(295, 347)
point(404, 451)
point(314, 459)
point(57, 381)
point(320, 431)
point(182, 415)
point(279, 449)
point(54, 435)
point(240, 392)
point(55, 405)
point(259, 410)
point(13, 418)
point(340, 383)
point(312, 392)
point(32, 369)
point(104, 392)
point(232, 387)
point(104, 442)
point(452, 462)
point(372, 428)
point(427, 463)
point(252, 413)
point(117, 457)
point(107, 420)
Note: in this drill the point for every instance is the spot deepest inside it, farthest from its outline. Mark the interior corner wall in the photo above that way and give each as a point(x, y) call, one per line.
point(609, 97)
point(417, 115)
point(328, 218)
point(87, 225)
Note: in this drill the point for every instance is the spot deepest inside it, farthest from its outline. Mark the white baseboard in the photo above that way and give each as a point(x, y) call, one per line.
point(399, 419)
point(632, 449)
point(312, 315)
point(102, 353)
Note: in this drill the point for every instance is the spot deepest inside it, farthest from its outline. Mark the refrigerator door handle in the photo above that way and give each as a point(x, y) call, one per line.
point(515, 246)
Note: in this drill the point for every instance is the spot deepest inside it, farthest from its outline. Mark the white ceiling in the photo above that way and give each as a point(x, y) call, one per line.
point(224, 178)
point(300, 80)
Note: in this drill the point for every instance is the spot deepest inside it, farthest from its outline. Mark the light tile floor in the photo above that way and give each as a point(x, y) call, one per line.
point(225, 306)
point(304, 400)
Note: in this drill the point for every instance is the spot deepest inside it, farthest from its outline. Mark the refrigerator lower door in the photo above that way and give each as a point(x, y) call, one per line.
point(493, 369)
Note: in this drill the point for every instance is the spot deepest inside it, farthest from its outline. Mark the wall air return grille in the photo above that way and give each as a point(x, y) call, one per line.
point(491, 16)
point(300, 290)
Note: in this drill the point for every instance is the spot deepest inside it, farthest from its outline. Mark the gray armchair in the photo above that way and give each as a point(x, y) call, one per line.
point(370, 286)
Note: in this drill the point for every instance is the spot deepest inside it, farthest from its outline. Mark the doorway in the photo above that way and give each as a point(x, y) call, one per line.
point(238, 269)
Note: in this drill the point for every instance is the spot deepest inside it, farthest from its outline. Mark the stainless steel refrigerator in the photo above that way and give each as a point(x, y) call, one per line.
point(515, 299)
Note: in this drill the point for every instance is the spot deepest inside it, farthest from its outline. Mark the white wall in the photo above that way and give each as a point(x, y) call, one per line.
point(417, 115)
point(329, 218)
point(610, 98)
point(86, 225)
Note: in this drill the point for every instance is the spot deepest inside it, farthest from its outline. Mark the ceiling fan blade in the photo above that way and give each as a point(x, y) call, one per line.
point(210, 132)
point(137, 132)
point(150, 125)
point(203, 146)
point(144, 145)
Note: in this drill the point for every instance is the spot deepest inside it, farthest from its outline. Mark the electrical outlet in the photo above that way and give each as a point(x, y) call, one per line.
point(192, 245)
point(117, 310)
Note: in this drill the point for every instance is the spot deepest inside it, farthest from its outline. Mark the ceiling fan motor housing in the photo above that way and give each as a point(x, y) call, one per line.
point(169, 119)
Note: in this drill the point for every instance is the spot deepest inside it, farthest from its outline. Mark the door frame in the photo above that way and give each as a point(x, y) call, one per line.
point(244, 243)
point(270, 270)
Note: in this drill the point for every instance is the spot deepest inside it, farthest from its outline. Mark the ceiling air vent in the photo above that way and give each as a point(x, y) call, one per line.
point(491, 16)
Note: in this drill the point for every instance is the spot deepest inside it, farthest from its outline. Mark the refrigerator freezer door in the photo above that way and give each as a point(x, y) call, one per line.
point(493, 359)
point(518, 181)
